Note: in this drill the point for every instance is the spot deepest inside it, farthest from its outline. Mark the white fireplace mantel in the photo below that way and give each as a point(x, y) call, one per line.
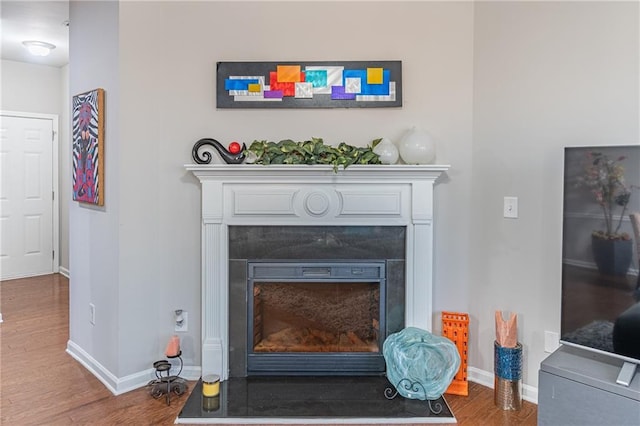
point(372, 195)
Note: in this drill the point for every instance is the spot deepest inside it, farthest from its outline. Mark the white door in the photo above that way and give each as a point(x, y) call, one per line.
point(26, 196)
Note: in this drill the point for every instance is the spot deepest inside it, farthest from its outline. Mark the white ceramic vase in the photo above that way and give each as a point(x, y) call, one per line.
point(417, 147)
point(387, 151)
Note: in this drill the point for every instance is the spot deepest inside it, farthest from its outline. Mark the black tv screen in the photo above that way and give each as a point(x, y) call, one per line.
point(600, 285)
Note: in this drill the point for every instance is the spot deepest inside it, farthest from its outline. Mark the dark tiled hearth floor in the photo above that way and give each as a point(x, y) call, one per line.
point(308, 400)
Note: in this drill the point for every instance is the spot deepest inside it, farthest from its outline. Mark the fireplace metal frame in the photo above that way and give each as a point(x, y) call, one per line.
point(310, 363)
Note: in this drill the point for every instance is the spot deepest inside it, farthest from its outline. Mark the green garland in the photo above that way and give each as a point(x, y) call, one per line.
point(313, 151)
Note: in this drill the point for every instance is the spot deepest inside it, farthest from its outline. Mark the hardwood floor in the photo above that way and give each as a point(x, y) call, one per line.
point(40, 384)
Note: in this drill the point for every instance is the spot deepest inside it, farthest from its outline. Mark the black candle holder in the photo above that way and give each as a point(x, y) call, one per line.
point(205, 156)
point(165, 383)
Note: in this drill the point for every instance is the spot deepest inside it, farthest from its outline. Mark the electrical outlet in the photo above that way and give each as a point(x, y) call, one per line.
point(185, 323)
point(551, 341)
point(511, 207)
point(92, 313)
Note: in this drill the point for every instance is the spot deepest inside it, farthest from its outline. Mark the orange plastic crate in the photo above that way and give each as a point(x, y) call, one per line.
point(455, 327)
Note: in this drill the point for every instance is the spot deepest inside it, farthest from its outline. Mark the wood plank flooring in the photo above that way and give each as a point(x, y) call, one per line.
point(40, 384)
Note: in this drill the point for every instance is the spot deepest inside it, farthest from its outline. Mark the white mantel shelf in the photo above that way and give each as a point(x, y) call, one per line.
point(354, 171)
point(311, 195)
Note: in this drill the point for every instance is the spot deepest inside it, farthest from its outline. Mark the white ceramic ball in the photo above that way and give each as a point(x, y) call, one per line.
point(417, 147)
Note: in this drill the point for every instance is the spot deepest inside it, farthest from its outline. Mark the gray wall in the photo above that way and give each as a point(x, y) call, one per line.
point(502, 86)
point(546, 76)
point(94, 232)
point(31, 88)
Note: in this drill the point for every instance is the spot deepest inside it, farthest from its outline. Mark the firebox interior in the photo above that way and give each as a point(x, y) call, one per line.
point(308, 315)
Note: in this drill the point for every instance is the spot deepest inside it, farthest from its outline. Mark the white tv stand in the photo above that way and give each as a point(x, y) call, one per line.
point(578, 387)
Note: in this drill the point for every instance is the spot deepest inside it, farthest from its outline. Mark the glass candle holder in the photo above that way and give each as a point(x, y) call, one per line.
point(210, 403)
point(211, 385)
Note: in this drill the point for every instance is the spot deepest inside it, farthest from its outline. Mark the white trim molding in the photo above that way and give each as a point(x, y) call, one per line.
point(108, 380)
point(120, 385)
point(64, 272)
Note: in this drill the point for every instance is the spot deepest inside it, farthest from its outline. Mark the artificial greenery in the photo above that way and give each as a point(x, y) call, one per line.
point(313, 151)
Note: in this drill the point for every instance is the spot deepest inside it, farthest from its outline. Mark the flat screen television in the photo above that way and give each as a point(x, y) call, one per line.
point(600, 284)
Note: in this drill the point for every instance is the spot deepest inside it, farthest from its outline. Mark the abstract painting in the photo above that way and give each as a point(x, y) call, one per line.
point(354, 84)
point(88, 147)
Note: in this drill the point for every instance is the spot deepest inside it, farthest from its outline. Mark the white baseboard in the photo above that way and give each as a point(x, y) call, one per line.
point(109, 380)
point(191, 373)
point(118, 386)
point(485, 378)
point(64, 271)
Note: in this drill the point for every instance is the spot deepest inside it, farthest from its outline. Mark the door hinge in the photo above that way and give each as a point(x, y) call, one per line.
point(53, 195)
point(53, 135)
point(53, 255)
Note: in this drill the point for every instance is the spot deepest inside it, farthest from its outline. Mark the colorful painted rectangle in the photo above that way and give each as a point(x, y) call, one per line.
point(338, 93)
point(273, 94)
point(327, 84)
point(288, 73)
point(334, 77)
point(287, 88)
point(374, 75)
point(238, 84)
point(317, 78)
point(87, 127)
point(368, 88)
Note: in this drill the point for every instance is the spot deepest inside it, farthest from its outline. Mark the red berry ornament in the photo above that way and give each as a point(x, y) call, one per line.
point(234, 147)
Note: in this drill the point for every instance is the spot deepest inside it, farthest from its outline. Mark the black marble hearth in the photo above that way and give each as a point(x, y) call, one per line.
point(308, 400)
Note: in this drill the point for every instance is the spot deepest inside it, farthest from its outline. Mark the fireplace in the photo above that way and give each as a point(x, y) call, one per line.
point(264, 226)
point(316, 318)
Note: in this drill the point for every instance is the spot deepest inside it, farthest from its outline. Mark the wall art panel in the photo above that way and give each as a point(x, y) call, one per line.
point(88, 147)
point(330, 84)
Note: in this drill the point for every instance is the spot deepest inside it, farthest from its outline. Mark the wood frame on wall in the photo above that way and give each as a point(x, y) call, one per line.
point(87, 124)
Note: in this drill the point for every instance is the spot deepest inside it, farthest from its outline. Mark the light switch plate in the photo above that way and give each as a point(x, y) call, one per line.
point(551, 341)
point(511, 207)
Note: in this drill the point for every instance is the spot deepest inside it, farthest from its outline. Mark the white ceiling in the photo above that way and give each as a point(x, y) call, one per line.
point(34, 20)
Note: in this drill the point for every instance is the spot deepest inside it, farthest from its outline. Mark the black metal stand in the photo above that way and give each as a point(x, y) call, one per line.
point(434, 405)
point(165, 384)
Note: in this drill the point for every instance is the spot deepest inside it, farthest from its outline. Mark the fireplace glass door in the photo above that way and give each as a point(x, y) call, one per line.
point(314, 317)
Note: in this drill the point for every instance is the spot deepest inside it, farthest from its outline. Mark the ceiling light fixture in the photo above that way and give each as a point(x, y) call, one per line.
point(38, 48)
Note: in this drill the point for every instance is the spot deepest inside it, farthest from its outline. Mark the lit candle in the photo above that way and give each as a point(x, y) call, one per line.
point(211, 385)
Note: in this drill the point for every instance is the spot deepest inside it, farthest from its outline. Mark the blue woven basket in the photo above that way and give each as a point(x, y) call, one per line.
point(508, 362)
